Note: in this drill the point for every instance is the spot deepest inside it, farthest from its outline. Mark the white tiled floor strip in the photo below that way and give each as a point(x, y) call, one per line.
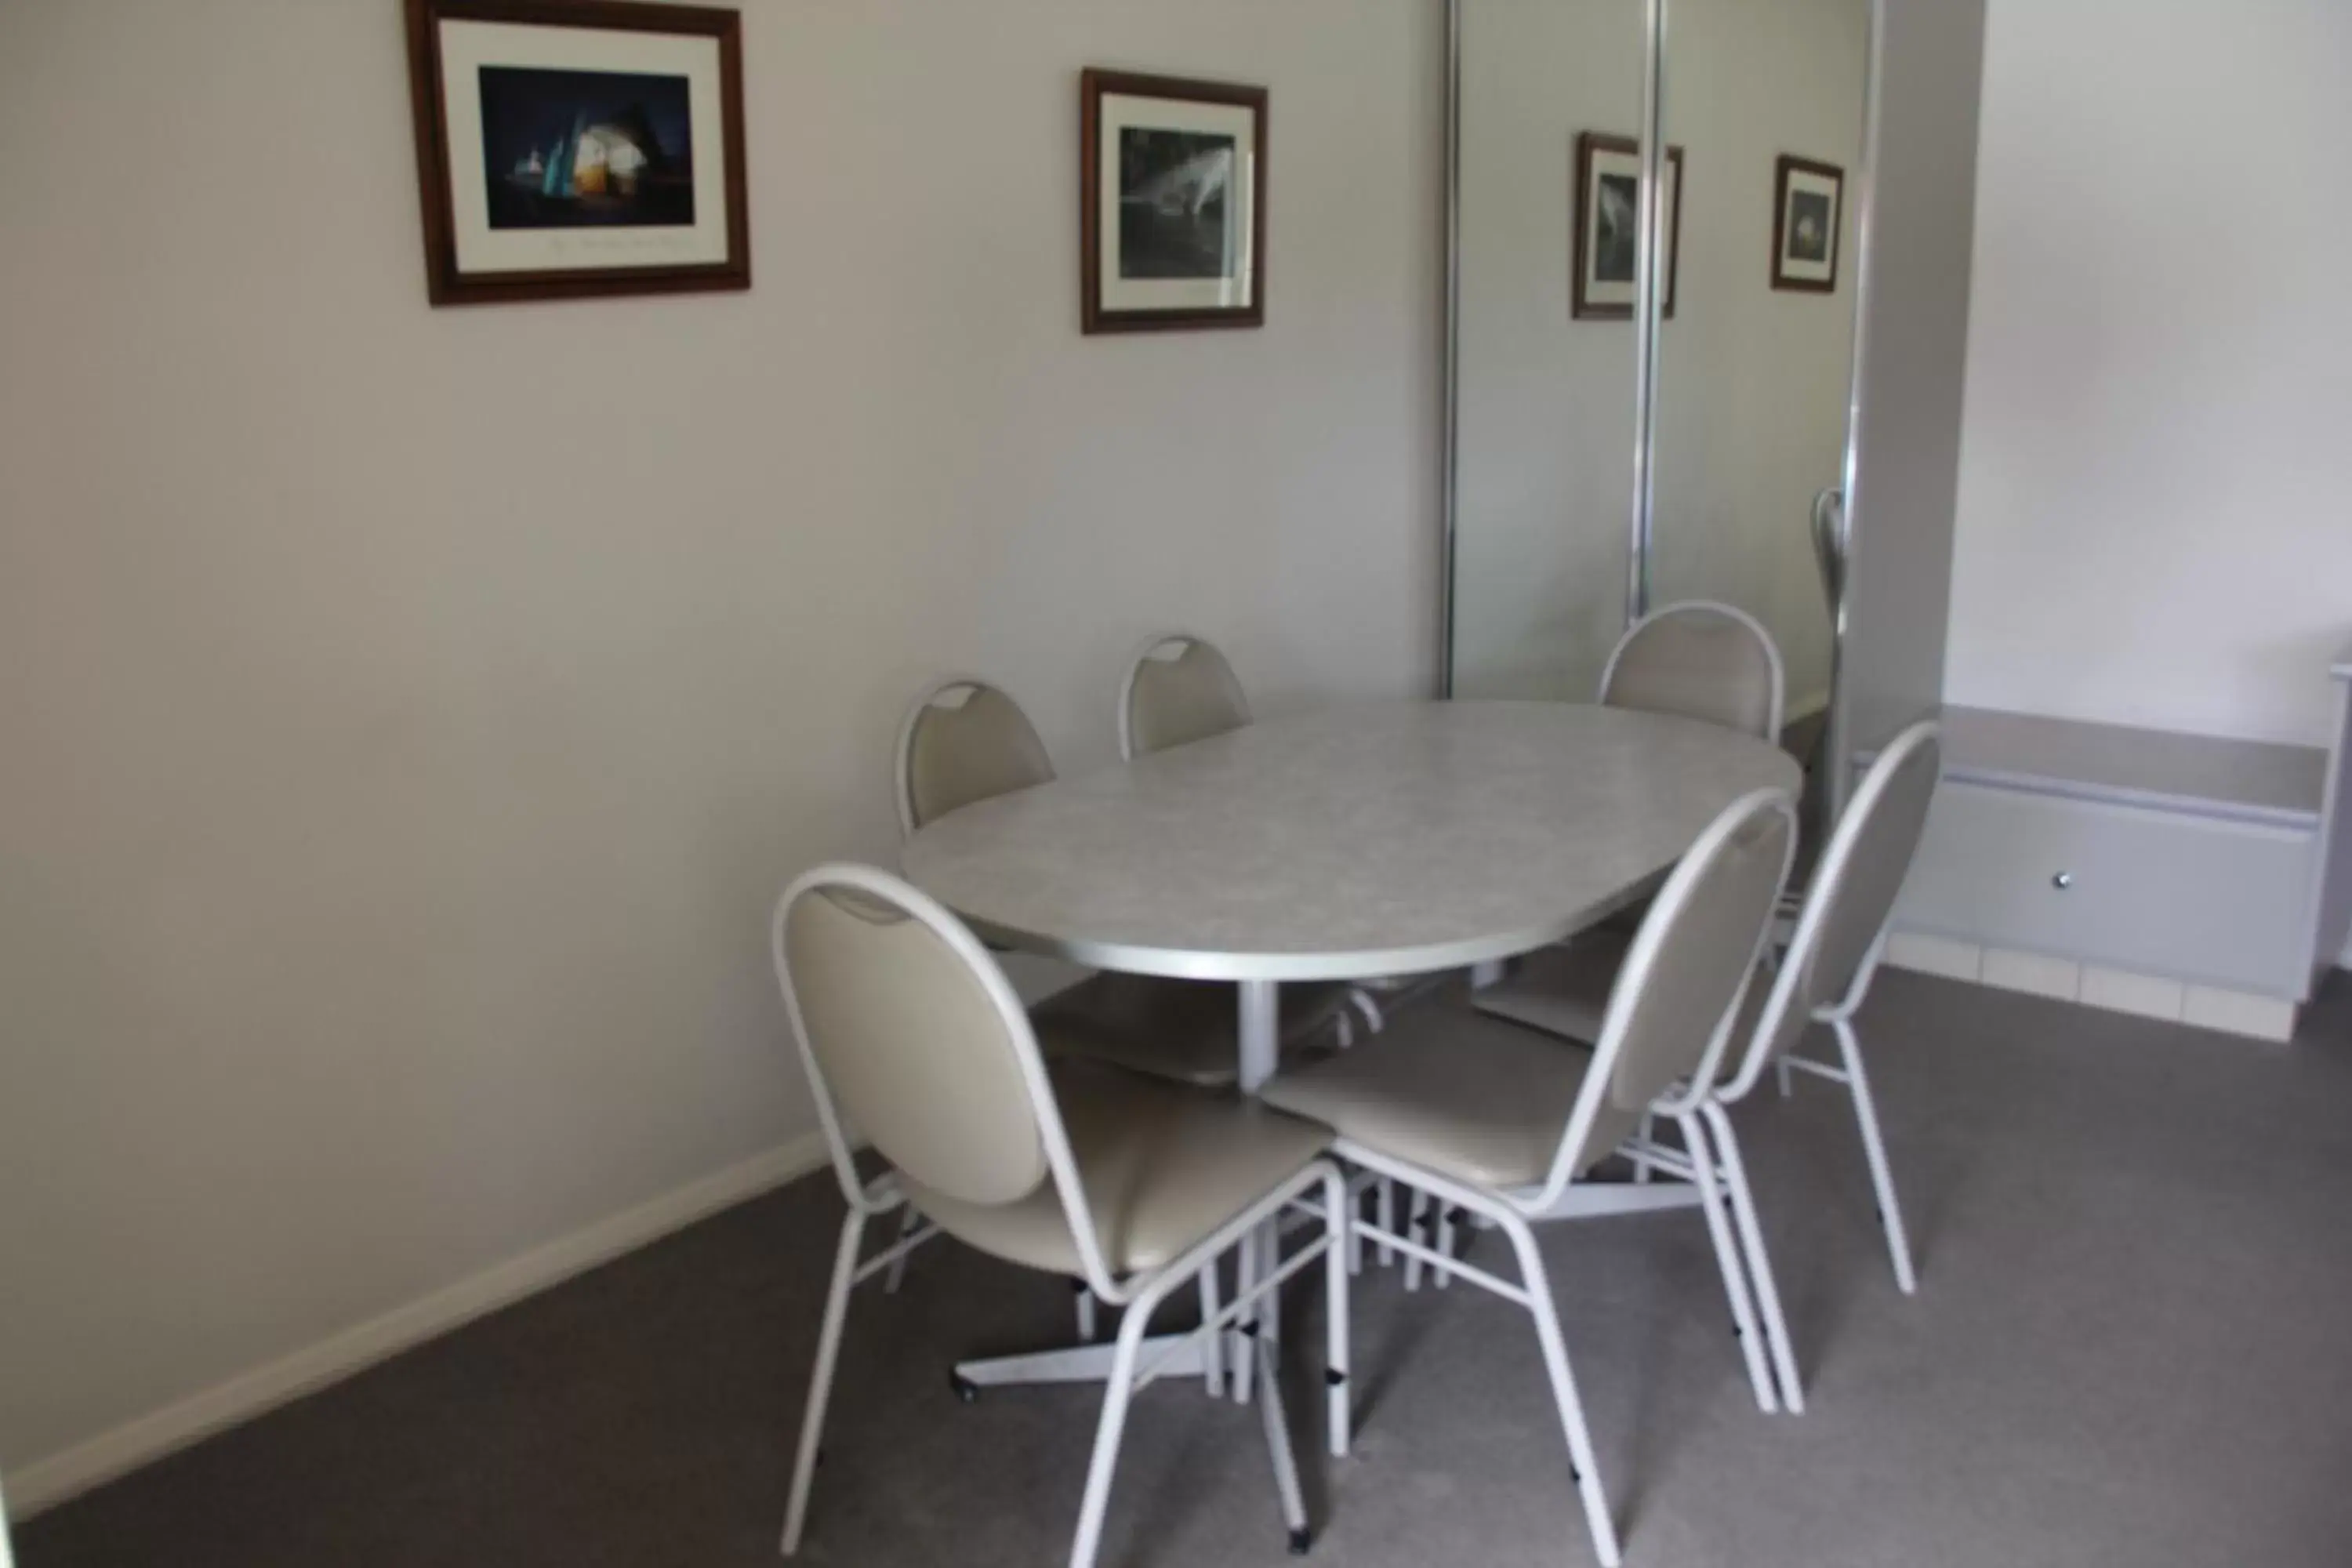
point(2205, 1006)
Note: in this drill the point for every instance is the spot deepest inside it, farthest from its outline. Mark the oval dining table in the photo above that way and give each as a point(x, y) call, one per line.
point(1393, 838)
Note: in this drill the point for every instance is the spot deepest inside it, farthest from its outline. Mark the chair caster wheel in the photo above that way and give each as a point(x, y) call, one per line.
point(965, 1389)
point(1300, 1541)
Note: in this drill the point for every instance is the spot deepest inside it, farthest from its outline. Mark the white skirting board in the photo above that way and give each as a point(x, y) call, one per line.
point(2245, 1013)
point(250, 1394)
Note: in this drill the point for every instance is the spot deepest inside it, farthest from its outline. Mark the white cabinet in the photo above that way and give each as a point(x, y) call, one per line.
point(2113, 856)
point(2157, 892)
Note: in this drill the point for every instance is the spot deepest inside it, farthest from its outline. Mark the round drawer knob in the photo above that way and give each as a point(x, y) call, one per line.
point(2063, 880)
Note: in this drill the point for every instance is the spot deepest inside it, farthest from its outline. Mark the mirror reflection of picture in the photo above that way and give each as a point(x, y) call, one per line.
point(1607, 222)
point(1808, 206)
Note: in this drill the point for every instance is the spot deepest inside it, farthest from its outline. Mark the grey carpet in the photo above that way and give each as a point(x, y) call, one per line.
point(2129, 1348)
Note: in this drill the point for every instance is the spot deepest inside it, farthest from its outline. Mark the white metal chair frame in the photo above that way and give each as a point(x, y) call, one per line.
point(1812, 923)
point(1778, 711)
point(1141, 1293)
point(1510, 1211)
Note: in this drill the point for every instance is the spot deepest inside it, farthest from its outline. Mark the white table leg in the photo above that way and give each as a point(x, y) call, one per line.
point(1261, 1032)
point(1485, 974)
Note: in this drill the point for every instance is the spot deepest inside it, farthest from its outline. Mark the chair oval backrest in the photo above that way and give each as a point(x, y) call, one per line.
point(1853, 892)
point(1671, 1011)
point(1178, 687)
point(964, 741)
point(1699, 660)
point(901, 1031)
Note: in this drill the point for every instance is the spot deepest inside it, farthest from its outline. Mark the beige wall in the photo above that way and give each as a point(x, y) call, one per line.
point(410, 715)
point(2153, 519)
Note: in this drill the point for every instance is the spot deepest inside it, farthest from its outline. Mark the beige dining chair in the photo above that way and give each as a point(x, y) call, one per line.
point(1501, 1121)
point(1823, 977)
point(1700, 659)
point(908, 1030)
point(963, 740)
point(1179, 688)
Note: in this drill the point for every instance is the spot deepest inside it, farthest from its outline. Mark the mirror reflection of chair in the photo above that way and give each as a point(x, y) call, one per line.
point(1703, 660)
point(908, 1028)
point(1823, 977)
point(1499, 1120)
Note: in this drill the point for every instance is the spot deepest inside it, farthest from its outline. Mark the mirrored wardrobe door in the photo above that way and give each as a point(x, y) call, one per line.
point(1548, 102)
point(1764, 100)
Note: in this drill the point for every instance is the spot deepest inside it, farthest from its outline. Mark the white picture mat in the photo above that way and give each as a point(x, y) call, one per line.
point(1627, 165)
point(1804, 181)
point(1118, 111)
point(467, 46)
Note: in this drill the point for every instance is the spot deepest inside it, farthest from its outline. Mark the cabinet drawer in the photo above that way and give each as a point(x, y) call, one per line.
point(2158, 893)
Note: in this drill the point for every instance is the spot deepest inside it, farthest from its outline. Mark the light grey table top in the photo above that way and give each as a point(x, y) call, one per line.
point(2207, 776)
point(1389, 839)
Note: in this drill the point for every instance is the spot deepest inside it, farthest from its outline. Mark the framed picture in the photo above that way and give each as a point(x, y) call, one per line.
point(577, 147)
point(1607, 219)
point(1172, 204)
point(1808, 211)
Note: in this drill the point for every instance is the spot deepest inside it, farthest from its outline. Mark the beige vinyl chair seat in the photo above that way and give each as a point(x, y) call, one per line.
point(1163, 1166)
point(1188, 1031)
point(1562, 990)
point(1471, 1098)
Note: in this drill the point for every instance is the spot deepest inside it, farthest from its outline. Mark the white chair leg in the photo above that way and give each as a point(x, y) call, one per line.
point(1277, 1446)
point(828, 1352)
point(896, 1273)
point(1727, 1262)
point(1865, 1112)
point(1088, 1323)
point(1442, 1277)
point(1340, 1206)
point(1212, 1344)
point(1759, 1261)
point(1417, 1228)
point(1641, 1172)
point(1107, 1432)
point(1545, 1313)
point(1788, 1077)
point(1355, 1243)
point(1388, 1218)
point(1363, 1002)
point(1244, 1345)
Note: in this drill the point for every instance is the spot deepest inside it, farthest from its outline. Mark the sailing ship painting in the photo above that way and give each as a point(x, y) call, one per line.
point(573, 149)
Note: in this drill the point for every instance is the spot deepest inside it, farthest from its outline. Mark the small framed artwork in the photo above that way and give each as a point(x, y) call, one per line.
point(1808, 212)
point(1608, 220)
point(578, 147)
point(1172, 204)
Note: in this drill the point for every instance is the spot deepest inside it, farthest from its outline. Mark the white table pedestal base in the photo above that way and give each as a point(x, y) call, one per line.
point(1603, 1198)
point(1079, 1364)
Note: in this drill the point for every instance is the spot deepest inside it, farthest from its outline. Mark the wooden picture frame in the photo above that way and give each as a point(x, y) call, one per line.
point(1601, 284)
point(592, 147)
point(1172, 204)
point(1808, 220)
